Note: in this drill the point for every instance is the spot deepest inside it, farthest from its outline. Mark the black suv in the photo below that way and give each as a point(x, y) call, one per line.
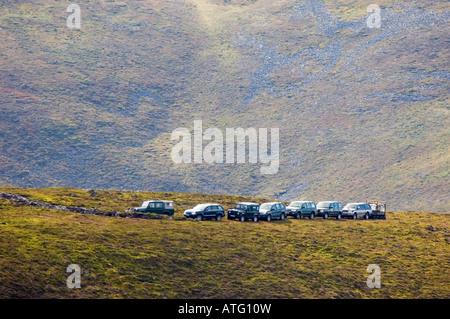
point(243, 211)
point(300, 209)
point(205, 211)
point(329, 209)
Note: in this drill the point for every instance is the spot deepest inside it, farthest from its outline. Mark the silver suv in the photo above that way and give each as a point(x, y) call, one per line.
point(355, 210)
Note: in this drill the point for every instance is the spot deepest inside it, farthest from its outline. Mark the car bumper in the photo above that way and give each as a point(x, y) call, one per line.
point(234, 214)
point(347, 214)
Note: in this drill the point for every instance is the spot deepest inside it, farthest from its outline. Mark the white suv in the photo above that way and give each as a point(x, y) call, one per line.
point(355, 210)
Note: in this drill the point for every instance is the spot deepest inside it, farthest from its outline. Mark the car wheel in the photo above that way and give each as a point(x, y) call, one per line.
point(338, 217)
point(269, 218)
point(282, 216)
point(242, 218)
point(366, 216)
point(255, 219)
point(219, 218)
point(298, 216)
point(355, 216)
point(199, 218)
point(325, 216)
point(311, 216)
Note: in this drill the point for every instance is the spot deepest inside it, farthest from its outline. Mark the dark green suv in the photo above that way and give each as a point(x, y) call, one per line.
point(273, 210)
point(165, 207)
point(243, 211)
point(329, 209)
point(300, 209)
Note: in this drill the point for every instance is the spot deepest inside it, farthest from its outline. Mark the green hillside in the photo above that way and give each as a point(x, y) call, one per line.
point(363, 113)
point(176, 258)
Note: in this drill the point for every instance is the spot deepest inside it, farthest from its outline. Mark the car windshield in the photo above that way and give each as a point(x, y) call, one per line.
point(296, 204)
point(265, 206)
point(351, 206)
point(241, 207)
point(323, 205)
point(200, 207)
point(145, 204)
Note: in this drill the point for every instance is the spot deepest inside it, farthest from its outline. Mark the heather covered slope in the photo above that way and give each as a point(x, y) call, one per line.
point(137, 258)
point(363, 113)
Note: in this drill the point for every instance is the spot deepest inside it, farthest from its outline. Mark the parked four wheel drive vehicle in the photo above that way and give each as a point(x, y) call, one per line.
point(205, 211)
point(329, 209)
point(273, 210)
point(157, 207)
point(378, 209)
point(243, 211)
point(300, 209)
point(355, 210)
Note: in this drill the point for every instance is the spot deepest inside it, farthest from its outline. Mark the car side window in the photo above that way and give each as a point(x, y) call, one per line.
point(159, 205)
point(151, 205)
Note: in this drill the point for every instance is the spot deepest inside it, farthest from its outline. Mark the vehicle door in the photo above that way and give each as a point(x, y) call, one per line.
point(208, 212)
point(331, 208)
point(159, 207)
point(150, 208)
point(359, 211)
point(304, 208)
point(273, 210)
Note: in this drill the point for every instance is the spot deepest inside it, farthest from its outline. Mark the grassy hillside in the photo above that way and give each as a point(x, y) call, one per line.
point(136, 258)
point(362, 112)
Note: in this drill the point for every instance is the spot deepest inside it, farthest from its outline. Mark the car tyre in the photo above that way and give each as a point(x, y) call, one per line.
point(219, 218)
point(325, 216)
point(255, 219)
point(269, 218)
point(199, 218)
point(355, 216)
point(311, 216)
point(339, 216)
point(366, 216)
point(282, 216)
point(242, 218)
point(298, 216)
